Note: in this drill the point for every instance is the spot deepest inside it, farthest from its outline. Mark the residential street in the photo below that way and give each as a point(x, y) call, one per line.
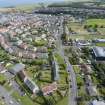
point(9, 100)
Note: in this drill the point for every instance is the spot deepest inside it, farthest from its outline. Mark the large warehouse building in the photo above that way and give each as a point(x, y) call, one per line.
point(99, 53)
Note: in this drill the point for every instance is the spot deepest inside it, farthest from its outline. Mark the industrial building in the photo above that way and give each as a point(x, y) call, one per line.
point(96, 102)
point(99, 53)
point(17, 68)
point(31, 85)
point(55, 70)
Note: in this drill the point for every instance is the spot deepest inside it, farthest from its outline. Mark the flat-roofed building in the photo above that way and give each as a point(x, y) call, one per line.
point(55, 70)
point(96, 102)
point(99, 53)
point(31, 85)
point(17, 68)
point(99, 40)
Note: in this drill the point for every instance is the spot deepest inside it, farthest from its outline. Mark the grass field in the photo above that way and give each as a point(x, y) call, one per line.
point(77, 27)
point(101, 31)
point(95, 21)
point(100, 44)
point(87, 37)
point(76, 69)
point(63, 102)
point(2, 78)
point(59, 58)
point(24, 100)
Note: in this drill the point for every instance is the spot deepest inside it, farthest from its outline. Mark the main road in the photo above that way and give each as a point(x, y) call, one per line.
point(72, 83)
point(9, 100)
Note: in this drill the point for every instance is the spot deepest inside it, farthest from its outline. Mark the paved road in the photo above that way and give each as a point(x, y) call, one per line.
point(73, 84)
point(7, 96)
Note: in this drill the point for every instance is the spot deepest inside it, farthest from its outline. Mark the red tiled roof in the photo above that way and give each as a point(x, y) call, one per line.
point(49, 89)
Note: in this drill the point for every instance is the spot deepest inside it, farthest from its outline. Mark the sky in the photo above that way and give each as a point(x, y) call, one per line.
point(4, 3)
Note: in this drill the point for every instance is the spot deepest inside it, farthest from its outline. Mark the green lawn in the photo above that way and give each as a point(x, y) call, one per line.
point(24, 100)
point(62, 79)
point(100, 44)
point(7, 86)
point(95, 21)
point(40, 43)
point(81, 91)
point(59, 58)
point(79, 80)
point(102, 91)
point(76, 69)
point(63, 101)
point(2, 78)
point(77, 27)
point(95, 81)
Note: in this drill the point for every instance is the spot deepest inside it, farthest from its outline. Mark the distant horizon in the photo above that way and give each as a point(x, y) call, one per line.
point(9, 3)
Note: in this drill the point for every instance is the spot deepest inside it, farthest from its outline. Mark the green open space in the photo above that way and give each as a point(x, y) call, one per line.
point(95, 21)
point(80, 80)
point(59, 58)
point(2, 79)
point(102, 91)
point(100, 44)
point(76, 69)
point(7, 86)
point(101, 31)
point(44, 78)
point(63, 78)
point(63, 101)
point(40, 76)
point(77, 27)
point(40, 43)
point(87, 37)
point(81, 91)
point(24, 100)
point(94, 80)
